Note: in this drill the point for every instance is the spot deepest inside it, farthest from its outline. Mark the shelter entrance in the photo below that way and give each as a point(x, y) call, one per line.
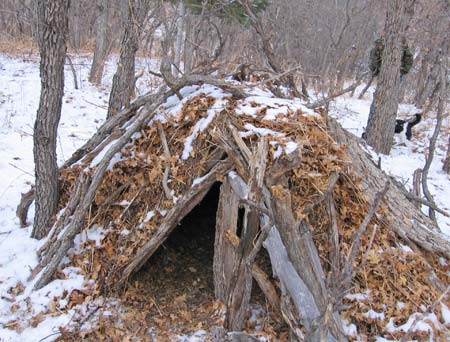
point(182, 268)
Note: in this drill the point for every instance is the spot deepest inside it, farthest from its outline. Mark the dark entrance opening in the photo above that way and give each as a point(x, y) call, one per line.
point(183, 266)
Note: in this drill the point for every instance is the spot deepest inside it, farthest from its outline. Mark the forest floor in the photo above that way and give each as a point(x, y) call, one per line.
point(84, 110)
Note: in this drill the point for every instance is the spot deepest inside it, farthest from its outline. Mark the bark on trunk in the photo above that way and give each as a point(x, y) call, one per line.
point(446, 166)
point(383, 111)
point(226, 220)
point(179, 39)
point(53, 28)
point(102, 43)
point(123, 80)
point(240, 287)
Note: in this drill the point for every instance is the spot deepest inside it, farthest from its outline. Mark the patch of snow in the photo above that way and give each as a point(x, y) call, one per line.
point(374, 315)
point(358, 296)
point(199, 180)
point(278, 152)
point(349, 328)
point(445, 313)
point(203, 123)
point(251, 129)
point(406, 248)
point(291, 147)
point(149, 216)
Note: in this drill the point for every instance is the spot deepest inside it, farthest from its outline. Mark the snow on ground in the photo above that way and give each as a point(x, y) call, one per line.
point(83, 112)
point(403, 160)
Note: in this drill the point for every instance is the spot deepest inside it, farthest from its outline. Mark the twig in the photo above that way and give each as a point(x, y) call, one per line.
point(327, 99)
point(423, 201)
point(369, 248)
point(162, 136)
point(24, 171)
point(278, 76)
point(433, 140)
point(334, 230)
point(348, 266)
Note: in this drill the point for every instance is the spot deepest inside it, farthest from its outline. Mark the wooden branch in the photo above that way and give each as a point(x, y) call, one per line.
point(349, 263)
point(302, 252)
point(226, 223)
point(238, 296)
point(327, 99)
point(162, 136)
point(259, 275)
point(333, 231)
point(183, 206)
point(433, 141)
point(416, 185)
point(366, 88)
point(22, 209)
point(423, 201)
point(77, 221)
point(401, 215)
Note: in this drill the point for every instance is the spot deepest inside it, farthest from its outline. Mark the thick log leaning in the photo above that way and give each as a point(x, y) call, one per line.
point(402, 216)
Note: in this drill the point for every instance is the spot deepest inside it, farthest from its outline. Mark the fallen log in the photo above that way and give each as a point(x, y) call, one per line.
point(406, 220)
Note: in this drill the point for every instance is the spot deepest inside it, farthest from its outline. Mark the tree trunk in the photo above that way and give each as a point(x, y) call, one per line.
point(383, 111)
point(179, 39)
point(123, 80)
point(102, 43)
point(75, 27)
point(53, 28)
point(446, 166)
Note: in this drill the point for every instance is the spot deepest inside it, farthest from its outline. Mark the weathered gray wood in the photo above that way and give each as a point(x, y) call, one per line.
point(238, 296)
point(416, 190)
point(77, 221)
point(183, 206)
point(226, 220)
point(291, 283)
point(259, 275)
point(401, 215)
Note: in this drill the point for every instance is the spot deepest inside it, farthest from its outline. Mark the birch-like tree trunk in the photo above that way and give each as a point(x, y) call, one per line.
point(53, 28)
point(383, 111)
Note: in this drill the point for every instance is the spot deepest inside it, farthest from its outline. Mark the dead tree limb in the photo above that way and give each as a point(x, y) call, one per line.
point(238, 296)
point(348, 270)
point(226, 222)
point(65, 238)
point(326, 100)
point(406, 221)
point(163, 139)
point(366, 88)
point(433, 140)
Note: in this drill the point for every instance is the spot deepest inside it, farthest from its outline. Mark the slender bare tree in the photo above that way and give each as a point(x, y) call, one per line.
point(383, 111)
point(53, 28)
point(124, 79)
point(446, 166)
point(102, 42)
